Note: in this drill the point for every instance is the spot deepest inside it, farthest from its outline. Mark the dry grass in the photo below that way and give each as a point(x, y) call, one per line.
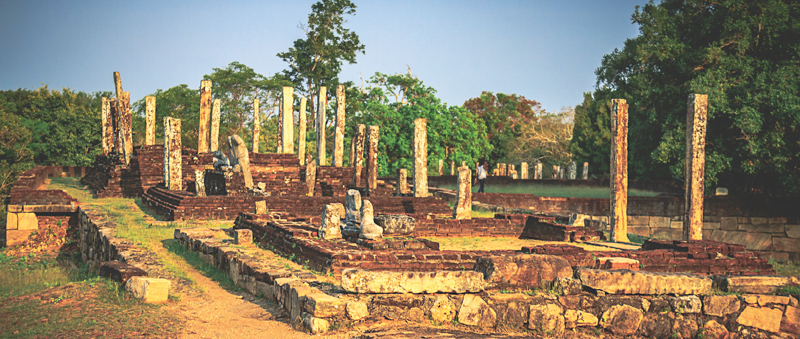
point(488, 244)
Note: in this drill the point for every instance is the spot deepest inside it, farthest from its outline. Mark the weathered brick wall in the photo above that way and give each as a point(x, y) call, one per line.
point(478, 227)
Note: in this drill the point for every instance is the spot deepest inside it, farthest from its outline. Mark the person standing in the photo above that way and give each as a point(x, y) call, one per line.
point(481, 176)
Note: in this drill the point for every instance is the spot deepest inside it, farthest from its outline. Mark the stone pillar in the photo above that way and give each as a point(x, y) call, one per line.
point(561, 172)
point(352, 213)
point(338, 137)
point(420, 167)
point(279, 132)
point(463, 207)
point(173, 174)
point(359, 154)
point(352, 151)
point(373, 134)
point(585, 171)
point(256, 124)
point(311, 174)
point(301, 133)
point(107, 127)
point(126, 126)
point(538, 174)
point(441, 167)
point(523, 170)
point(555, 172)
point(330, 227)
point(402, 181)
point(214, 145)
point(503, 169)
point(117, 122)
point(453, 167)
point(150, 120)
point(696, 120)
point(287, 120)
point(238, 149)
point(200, 182)
point(323, 102)
point(205, 116)
point(261, 207)
point(619, 170)
point(573, 170)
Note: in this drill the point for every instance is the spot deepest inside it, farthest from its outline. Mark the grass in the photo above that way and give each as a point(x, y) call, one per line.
point(786, 268)
point(554, 190)
point(490, 243)
point(208, 270)
point(43, 297)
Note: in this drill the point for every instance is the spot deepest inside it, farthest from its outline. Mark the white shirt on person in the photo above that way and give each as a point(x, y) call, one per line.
point(481, 173)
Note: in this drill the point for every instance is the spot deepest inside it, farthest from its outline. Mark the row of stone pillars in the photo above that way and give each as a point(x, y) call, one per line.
point(558, 172)
point(696, 118)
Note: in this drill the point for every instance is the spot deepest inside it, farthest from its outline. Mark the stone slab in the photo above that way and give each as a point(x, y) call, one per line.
point(322, 305)
point(120, 271)
point(751, 284)
point(361, 281)
point(753, 241)
point(767, 319)
point(11, 221)
point(648, 283)
point(27, 221)
point(151, 290)
point(786, 244)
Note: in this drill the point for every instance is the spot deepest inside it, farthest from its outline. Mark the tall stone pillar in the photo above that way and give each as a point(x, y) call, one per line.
point(402, 181)
point(561, 171)
point(214, 144)
point(619, 170)
point(696, 120)
point(107, 126)
point(287, 120)
point(453, 167)
point(523, 170)
point(441, 167)
point(323, 102)
point(311, 174)
point(256, 124)
point(358, 154)
point(503, 169)
point(205, 116)
point(555, 172)
point(173, 173)
point(301, 133)
point(338, 137)
point(463, 207)
point(585, 171)
point(126, 126)
point(420, 167)
point(573, 170)
point(538, 170)
point(150, 120)
point(116, 115)
point(373, 134)
point(200, 182)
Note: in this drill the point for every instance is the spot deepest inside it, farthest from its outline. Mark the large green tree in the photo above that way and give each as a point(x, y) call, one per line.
point(317, 59)
point(745, 55)
point(591, 134)
point(503, 115)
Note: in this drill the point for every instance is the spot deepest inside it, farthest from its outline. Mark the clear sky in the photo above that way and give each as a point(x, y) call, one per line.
point(544, 50)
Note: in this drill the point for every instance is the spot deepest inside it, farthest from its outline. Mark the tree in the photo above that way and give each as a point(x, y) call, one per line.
point(591, 135)
point(180, 102)
point(743, 55)
point(545, 138)
point(503, 115)
point(317, 60)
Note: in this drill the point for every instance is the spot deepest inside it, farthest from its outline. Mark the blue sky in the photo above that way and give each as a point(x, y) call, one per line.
point(544, 50)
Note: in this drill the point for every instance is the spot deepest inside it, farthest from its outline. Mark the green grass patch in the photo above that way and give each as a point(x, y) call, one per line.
point(786, 268)
point(208, 270)
point(72, 186)
point(31, 273)
point(554, 190)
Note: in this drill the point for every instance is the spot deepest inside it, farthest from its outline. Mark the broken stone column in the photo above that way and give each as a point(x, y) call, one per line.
point(402, 181)
point(523, 170)
point(150, 120)
point(441, 167)
point(338, 137)
point(323, 102)
point(453, 167)
point(619, 170)
point(116, 115)
point(173, 174)
point(205, 116)
point(369, 229)
point(200, 182)
point(214, 145)
point(256, 124)
point(261, 207)
point(126, 126)
point(287, 121)
point(585, 171)
point(555, 172)
point(573, 170)
point(463, 207)
point(107, 122)
point(238, 150)
point(311, 174)
point(373, 134)
point(538, 174)
point(503, 169)
point(301, 133)
point(561, 172)
point(420, 167)
point(696, 119)
point(352, 203)
point(330, 227)
point(352, 150)
point(358, 154)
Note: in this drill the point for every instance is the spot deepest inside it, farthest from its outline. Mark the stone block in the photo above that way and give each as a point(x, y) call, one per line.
point(361, 281)
point(15, 208)
point(315, 325)
point(547, 319)
point(120, 271)
point(357, 310)
point(11, 221)
point(567, 286)
point(751, 284)
point(297, 300)
point(622, 319)
point(634, 221)
point(574, 318)
point(242, 237)
point(667, 233)
point(322, 305)
point(720, 306)
point(649, 283)
point(614, 263)
point(16, 237)
point(151, 290)
point(793, 231)
point(686, 304)
point(27, 221)
point(659, 222)
point(729, 223)
point(790, 322)
point(396, 224)
point(715, 330)
point(752, 241)
point(475, 311)
point(640, 231)
point(711, 225)
point(786, 244)
point(767, 319)
point(763, 228)
point(676, 224)
point(523, 270)
point(443, 309)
